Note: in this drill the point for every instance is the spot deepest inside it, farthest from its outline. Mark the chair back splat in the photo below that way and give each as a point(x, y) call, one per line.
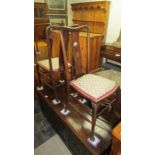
point(71, 35)
point(55, 74)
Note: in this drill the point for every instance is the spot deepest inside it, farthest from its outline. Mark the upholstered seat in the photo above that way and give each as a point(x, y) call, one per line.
point(55, 63)
point(94, 87)
point(45, 63)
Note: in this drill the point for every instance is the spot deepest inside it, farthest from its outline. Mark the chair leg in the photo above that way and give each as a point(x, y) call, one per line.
point(56, 100)
point(94, 117)
point(39, 76)
point(66, 97)
point(40, 87)
point(113, 108)
point(66, 111)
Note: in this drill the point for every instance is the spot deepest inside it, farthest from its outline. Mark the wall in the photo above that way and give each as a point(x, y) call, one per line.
point(114, 22)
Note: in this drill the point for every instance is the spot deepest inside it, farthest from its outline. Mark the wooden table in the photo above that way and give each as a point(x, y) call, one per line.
point(111, 51)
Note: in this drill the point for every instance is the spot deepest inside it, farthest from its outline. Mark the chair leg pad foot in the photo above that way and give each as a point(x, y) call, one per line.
point(74, 95)
point(40, 88)
point(56, 101)
point(82, 100)
point(95, 142)
point(62, 81)
point(65, 111)
point(46, 96)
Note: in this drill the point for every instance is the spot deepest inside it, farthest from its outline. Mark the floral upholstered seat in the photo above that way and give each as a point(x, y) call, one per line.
point(45, 63)
point(55, 63)
point(94, 87)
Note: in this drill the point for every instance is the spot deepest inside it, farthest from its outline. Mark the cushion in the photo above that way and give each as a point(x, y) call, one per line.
point(45, 63)
point(94, 87)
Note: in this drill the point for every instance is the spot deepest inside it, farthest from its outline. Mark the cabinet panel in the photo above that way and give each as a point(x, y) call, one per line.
point(93, 14)
point(77, 15)
point(100, 15)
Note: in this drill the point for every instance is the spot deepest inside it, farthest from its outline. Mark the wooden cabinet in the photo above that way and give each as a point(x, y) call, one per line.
point(93, 14)
point(95, 42)
point(73, 129)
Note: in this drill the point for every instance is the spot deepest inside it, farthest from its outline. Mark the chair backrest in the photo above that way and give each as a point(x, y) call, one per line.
point(72, 34)
point(53, 43)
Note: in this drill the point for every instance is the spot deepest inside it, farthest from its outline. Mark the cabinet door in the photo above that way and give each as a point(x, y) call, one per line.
point(95, 45)
point(99, 27)
point(83, 53)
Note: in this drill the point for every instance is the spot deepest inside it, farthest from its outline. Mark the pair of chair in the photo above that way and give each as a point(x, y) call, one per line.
point(96, 89)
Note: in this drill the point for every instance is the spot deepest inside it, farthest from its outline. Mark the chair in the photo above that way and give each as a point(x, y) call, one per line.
point(50, 71)
point(101, 92)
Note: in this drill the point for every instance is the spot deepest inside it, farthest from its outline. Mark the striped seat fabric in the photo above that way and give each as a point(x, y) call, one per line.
point(94, 87)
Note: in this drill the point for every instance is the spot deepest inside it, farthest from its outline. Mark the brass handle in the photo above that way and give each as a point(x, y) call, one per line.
point(117, 55)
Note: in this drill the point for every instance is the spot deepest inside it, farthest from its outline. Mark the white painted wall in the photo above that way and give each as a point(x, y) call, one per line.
point(114, 22)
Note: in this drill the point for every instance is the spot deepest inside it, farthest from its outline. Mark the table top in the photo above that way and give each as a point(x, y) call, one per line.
point(115, 44)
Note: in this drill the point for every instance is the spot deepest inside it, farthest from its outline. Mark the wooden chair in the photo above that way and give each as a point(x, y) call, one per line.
point(50, 71)
point(96, 89)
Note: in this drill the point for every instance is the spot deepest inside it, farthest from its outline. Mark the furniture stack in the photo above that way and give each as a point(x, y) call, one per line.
point(78, 105)
point(40, 23)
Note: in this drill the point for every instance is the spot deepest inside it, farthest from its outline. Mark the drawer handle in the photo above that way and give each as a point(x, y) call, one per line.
point(117, 55)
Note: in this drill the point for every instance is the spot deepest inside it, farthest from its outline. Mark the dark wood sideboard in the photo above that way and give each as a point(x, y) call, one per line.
point(111, 51)
point(41, 21)
point(74, 129)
